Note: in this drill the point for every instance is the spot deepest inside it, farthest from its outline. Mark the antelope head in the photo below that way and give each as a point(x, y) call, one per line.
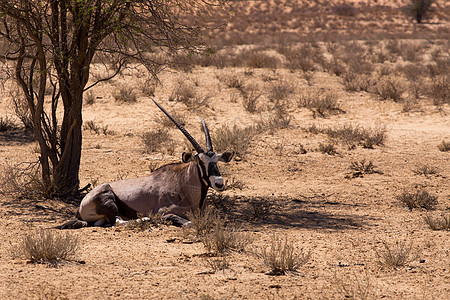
point(206, 160)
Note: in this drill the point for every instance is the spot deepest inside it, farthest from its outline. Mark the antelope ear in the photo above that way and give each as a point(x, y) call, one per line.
point(187, 157)
point(226, 156)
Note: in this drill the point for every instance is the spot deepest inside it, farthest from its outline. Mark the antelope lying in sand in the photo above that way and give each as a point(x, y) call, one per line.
point(172, 190)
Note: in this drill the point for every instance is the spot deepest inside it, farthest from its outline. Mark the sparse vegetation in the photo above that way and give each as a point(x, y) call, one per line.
point(6, 124)
point(357, 286)
point(281, 257)
point(397, 255)
point(97, 129)
point(258, 208)
point(156, 140)
point(232, 138)
point(328, 148)
point(389, 88)
point(419, 9)
point(426, 170)
point(320, 103)
point(223, 239)
point(363, 167)
point(89, 98)
point(125, 94)
point(441, 222)
point(47, 246)
point(418, 199)
point(251, 96)
point(143, 223)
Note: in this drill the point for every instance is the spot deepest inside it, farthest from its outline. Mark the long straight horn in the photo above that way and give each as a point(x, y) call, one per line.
point(209, 146)
point(194, 143)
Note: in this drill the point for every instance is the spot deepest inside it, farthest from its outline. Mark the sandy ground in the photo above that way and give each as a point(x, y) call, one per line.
point(315, 202)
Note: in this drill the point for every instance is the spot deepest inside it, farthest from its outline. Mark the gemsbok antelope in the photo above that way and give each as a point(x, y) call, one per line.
point(172, 190)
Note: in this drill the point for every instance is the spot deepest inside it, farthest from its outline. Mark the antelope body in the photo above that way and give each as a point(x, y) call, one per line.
point(172, 190)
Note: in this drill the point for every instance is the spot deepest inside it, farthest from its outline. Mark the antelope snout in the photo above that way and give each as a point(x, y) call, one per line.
point(217, 183)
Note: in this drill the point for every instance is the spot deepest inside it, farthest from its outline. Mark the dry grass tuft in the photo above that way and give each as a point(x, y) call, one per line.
point(396, 255)
point(223, 239)
point(97, 129)
point(355, 287)
point(47, 246)
point(258, 208)
point(418, 199)
point(6, 124)
point(147, 223)
point(320, 103)
point(281, 257)
point(232, 139)
point(125, 95)
point(438, 222)
point(156, 140)
point(391, 88)
point(251, 97)
point(364, 167)
point(426, 170)
point(328, 148)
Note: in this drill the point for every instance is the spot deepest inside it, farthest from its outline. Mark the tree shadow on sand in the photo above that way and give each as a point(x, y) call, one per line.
point(288, 212)
point(16, 136)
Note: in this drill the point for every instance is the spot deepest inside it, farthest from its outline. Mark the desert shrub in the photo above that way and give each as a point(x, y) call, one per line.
point(258, 59)
point(231, 80)
point(258, 208)
point(202, 221)
point(223, 239)
point(363, 167)
point(148, 88)
point(281, 257)
point(217, 263)
point(232, 138)
point(304, 57)
point(251, 96)
point(354, 82)
point(6, 124)
point(155, 140)
point(356, 287)
point(47, 246)
point(352, 135)
point(444, 146)
point(335, 66)
point(187, 94)
point(345, 10)
point(418, 199)
point(166, 122)
point(440, 90)
point(419, 9)
point(125, 95)
point(328, 148)
point(279, 119)
point(426, 170)
point(280, 90)
point(320, 103)
point(21, 109)
point(389, 88)
point(438, 222)
point(397, 255)
point(24, 180)
point(89, 98)
point(97, 129)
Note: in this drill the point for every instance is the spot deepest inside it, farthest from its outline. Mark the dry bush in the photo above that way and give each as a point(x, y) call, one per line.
point(231, 80)
point(352, 135)
point(251, 97)
point(148, 88)
point(7, 124)
point(163, 120)
point(439, 90)
point(357, 287)
point(280, 90)
point(97, 129)
point(282, 257)
point(364, 167)
point(396, 255)
point(187, 94)
point(438, 222)
point(258, 59)
point(320, 103)
point(156, 140)
point(426, 170)
point(125, 95)
point(278, 120)
point(219, 263)
point(223, 239)
point(419, 9)
point(89, 98)
point(24, 180)
point(335, 66)
point(444, 146)
point(302, 58)
point(47, 246)
point(202, 222)
point(258, 208)
point(354, 82)
point(232, 138)
point(21, 109)
point(328, 148)
point(389, 87)
point(418, 199)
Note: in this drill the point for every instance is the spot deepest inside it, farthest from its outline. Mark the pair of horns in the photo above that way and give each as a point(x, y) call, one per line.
point(194, 143)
